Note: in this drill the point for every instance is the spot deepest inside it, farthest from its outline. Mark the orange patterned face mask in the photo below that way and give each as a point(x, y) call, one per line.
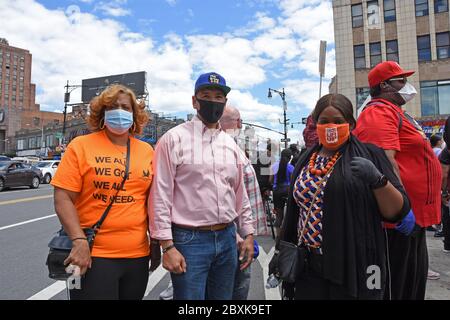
point(333, 136)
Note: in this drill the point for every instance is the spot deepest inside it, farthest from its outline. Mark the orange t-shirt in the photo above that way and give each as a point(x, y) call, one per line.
point(93, 166)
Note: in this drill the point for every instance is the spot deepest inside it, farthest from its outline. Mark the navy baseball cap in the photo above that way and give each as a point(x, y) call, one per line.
point(212, 79)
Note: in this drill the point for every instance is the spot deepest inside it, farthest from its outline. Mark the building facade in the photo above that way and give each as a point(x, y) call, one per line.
point(18, 108)
point(414, 33)
point(45, 142)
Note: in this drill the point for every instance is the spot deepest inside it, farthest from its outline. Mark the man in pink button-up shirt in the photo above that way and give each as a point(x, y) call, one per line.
point(197, 192)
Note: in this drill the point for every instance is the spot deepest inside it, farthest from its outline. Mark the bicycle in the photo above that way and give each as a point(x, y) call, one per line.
point(267, 200)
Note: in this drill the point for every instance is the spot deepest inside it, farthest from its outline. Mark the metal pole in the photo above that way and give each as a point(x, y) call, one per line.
point(320, 89)
point(285, 120)
point(65, 111)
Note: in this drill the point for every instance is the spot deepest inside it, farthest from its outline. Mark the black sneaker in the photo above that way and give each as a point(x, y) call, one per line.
point(439, 234)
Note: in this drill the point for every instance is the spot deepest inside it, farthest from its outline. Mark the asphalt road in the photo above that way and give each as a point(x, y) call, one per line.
point(27, 222)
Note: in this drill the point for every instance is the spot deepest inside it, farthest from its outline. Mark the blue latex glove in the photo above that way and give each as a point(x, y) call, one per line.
point(256, 247)
point(406, 226)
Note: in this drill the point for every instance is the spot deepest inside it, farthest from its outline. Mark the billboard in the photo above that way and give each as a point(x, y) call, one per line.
point(93, 87)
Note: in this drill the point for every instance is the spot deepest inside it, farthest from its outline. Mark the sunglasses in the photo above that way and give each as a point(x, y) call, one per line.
point(401, 80)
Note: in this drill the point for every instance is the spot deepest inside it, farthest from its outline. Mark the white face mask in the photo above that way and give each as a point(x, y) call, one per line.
point(408, 92)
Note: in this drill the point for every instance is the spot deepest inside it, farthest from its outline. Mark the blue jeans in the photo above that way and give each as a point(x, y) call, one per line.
point(211, 258)
point(242, 283)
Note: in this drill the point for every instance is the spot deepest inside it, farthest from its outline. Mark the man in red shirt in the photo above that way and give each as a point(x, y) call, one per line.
point(385, 124)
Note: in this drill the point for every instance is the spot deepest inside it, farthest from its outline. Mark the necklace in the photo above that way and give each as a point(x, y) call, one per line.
point(321, 171)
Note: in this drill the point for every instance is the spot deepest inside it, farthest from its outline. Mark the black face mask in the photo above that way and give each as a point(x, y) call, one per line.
point(211, 111)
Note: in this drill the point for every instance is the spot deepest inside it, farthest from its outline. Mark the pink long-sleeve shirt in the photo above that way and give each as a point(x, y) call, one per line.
point(198, 181)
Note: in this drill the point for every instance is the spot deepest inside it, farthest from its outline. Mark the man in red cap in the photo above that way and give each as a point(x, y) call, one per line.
point(385, 124)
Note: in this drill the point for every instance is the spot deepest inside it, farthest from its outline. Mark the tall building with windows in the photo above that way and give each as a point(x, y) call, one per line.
point(18, 109)
point(415, 33)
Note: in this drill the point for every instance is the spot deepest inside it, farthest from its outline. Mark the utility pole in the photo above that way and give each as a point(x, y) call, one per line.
point(66, 101)
point(285, 121)
point(69, 89)
point(322, 59)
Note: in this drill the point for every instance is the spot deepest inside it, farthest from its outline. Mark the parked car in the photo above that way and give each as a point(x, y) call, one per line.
point(16, 174)
point(48, 169)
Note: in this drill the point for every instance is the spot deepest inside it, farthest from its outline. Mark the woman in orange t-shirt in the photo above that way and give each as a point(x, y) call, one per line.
point(90, 173)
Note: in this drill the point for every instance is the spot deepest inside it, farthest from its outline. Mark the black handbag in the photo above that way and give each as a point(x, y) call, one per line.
point(291, 261)
point(292, 258)
point(61, 244)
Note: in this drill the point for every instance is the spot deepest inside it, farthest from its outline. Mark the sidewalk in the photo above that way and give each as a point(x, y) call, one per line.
point(439, 262)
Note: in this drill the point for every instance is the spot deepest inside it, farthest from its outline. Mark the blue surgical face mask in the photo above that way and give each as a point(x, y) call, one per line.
point(118, 121)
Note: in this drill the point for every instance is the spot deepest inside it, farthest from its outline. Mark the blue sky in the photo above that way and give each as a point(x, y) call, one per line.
point(254, 44)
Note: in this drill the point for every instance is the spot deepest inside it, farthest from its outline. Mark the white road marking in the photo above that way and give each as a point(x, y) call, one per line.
point(264, 259)
point(50, 291)
point(154, 278)
point(27, 222)
point(48, 196)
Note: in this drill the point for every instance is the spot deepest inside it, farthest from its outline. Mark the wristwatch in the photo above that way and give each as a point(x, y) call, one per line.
point(381, 182)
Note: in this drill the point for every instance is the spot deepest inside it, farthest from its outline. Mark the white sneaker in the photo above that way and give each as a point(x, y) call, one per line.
point(168, 293)
point(433, 275)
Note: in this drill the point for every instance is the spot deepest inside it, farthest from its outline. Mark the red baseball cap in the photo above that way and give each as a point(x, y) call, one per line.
point(385, 71)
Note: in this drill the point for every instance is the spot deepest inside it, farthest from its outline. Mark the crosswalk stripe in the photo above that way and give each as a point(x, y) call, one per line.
point(49, 292)
point(154, 278)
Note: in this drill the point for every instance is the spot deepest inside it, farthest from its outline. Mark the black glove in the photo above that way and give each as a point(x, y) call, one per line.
point(365, 170)
point(155, 255)
point(273, 265)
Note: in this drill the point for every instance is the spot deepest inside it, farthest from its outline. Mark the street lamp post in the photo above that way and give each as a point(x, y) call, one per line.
point(286, 121)
point(69, 89)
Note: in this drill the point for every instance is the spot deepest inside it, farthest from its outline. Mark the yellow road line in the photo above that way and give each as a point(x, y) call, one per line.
point(2, 203)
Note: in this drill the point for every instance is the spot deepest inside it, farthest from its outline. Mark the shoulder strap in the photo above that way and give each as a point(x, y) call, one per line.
point(127, 168)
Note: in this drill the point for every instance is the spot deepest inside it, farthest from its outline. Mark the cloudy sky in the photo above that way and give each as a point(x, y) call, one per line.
point(254, 44)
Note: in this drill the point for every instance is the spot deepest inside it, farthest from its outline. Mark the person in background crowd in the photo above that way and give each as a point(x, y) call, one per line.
point(384, 123)
point(295, 154)
point(437, 144)
point(281, 178)
point(309, 133)
point(444, 158)
point(231, 123)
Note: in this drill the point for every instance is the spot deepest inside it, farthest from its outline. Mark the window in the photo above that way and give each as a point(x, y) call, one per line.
point(357, 16)
point(424, 48)
point(375, 54)
point(361, 96)
point(360, 56)
point(443, 45)
point(389, 10)
point(440, 6)
point(20, 144)
point(373, 13)
point(421, 8)
point(392, 50)
point(49, 140)
point(32, 142)
point(434, 97)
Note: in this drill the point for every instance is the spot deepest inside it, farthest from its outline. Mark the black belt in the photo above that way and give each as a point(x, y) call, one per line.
point(214, 227)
